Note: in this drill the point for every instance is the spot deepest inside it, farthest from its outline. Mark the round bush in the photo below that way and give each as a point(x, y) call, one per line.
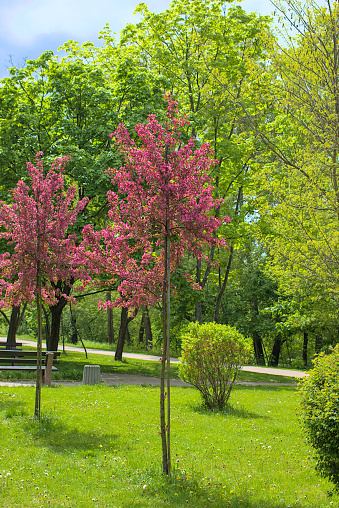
point(212, 355)
point(320, 413)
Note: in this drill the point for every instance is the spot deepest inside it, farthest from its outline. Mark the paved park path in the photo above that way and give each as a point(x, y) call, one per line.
point(264, 370)
point(136, 379)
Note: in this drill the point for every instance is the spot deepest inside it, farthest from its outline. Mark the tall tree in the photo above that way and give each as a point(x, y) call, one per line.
point(298, 198)
point(160, 210)
point(36, 224)
point(201, 48)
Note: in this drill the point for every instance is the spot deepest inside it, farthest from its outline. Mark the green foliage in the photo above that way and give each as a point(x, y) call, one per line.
point(320, 403)
point(212, 355)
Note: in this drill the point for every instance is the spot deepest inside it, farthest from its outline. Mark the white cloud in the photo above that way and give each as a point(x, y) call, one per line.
point(79, 17)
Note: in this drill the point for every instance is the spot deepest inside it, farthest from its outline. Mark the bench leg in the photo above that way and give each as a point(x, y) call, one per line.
point(47, 376)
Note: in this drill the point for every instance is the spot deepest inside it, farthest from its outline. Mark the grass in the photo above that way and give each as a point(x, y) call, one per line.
point(99, 447)
point(72, 363)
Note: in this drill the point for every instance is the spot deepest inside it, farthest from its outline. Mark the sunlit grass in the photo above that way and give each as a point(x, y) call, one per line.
point(99, 447)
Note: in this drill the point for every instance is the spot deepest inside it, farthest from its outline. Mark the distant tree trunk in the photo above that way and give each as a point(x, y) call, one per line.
point(223, 286)
point(14, 322)
point(258, 348)
point(305, 348)
point(148, 329)
point(47, 328)
point(110, 327)
point(145, 328)
point(274, 360)
point(141, 329)
point(56, 312)
point(125, 319)
point(202, 283)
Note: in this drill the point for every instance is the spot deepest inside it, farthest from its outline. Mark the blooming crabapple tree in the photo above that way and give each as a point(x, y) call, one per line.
point(159, 210)
point(43, 253)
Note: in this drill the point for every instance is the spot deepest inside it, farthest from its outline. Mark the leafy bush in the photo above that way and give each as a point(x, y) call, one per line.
point(320, 415)
point(212, 355)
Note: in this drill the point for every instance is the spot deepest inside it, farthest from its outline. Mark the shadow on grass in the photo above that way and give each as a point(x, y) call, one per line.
point(12, 408)
point(71, 367)
point(229, 410)
point(54, 434)
point(195, 491)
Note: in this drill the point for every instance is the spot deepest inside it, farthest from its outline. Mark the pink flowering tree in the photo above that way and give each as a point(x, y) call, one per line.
point(162, 208)
point(35, 225)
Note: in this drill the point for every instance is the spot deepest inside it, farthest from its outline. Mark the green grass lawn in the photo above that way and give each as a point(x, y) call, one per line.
point(100, 447)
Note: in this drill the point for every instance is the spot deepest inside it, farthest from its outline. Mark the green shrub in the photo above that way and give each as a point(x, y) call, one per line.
point(320, 413)
point(212, 355)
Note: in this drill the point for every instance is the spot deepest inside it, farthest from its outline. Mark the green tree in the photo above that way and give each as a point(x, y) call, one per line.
point(298, 197)
point(201, 49)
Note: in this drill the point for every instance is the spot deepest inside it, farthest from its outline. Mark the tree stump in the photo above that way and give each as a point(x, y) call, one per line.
point(91, 375)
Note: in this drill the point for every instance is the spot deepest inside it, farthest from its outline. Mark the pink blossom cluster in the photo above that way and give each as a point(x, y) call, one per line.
point(36, 226)
point(162, 190)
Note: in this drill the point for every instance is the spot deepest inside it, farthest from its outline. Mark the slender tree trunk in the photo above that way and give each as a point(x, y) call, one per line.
point(223, 287)
point(258, 349)
point(274, 360)
point(125, 319)
point(305, 348)
point(148, 328)
point(202, 283)
point(165, 427)
point(56, 312)
point(168, 355)
point(14, 322)
point(47, 327)
point(142, 327)
point(110, 327)
point(37, 410)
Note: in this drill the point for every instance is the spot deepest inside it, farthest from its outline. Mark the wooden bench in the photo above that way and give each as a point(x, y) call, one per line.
point(10, 345)
point(26, 361)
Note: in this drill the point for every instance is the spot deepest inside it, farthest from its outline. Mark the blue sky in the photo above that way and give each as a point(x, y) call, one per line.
point(30, 27)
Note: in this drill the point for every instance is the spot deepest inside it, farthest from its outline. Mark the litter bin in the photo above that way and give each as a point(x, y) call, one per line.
point(91, 375)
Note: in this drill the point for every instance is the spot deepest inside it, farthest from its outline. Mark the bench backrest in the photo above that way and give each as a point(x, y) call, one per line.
point(25, 357)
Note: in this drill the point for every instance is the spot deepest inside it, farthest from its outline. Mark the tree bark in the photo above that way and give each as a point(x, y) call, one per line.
point(258, 348)
point(165, 362)
point(274, 360)
point(56, 312)
point(148, 329)
point(223, 287)
point(125, 319)
point(14, 322)
point(142, 328)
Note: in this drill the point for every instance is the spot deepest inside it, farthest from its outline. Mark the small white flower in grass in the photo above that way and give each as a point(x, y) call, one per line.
point(144, 487)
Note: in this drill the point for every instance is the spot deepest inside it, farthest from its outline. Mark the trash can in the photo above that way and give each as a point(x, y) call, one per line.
point(91, 375)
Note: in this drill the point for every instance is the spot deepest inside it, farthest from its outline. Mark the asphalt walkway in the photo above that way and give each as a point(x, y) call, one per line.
point(263, 370)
